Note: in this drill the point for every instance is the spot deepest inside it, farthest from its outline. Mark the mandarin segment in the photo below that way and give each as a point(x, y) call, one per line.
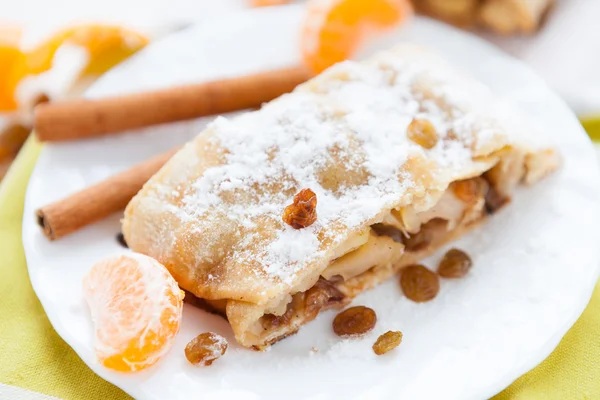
point(12, 68)
point(136, 309)
point(106, 45)
point(334, 29)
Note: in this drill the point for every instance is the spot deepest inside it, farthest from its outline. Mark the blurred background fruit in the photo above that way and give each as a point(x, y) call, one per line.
point(62, 65)
point(334, 29)
point(47, 52)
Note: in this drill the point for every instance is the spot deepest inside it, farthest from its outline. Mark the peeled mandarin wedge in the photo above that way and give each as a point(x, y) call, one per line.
point(12, 67)
point(334, 29)
point(136, 309)
point(107, 46)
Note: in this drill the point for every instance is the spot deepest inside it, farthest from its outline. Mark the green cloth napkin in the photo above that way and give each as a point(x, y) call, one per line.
point(34, 357)
point(592, 126)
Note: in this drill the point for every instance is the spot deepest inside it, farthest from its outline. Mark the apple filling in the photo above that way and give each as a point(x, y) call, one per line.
point(403, 236)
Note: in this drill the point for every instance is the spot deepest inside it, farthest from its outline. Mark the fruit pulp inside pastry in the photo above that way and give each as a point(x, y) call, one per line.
point(403, 237)
point(402, 153)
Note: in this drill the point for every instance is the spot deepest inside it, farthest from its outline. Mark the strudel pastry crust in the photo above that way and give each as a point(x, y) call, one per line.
point(213, 213)
point(514, 16)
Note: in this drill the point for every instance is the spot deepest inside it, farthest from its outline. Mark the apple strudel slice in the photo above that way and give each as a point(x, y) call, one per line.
point(402, 154)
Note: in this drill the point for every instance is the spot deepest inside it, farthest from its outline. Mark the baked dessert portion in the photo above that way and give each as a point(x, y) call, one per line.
point(504, 17)
point(403, 153)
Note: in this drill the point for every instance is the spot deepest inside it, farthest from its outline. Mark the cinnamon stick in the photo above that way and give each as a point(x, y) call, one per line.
point(98, 201)
point(82, 118)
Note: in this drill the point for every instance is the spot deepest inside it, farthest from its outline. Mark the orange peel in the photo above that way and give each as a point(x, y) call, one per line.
point(107, 46)
point(334, 29)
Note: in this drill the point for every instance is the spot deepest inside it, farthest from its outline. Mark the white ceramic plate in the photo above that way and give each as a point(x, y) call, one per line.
point(535, 263)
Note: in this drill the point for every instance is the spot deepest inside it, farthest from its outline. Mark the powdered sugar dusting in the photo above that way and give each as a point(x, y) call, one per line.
point(343, 135)
point(215, 348)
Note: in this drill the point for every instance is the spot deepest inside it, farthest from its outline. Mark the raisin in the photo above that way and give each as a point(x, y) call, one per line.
point(470, 190)
point(429, 233)
point(205, 348)
point(386, 342)
point(494, 201)
point(354, 321)
point(303, 211)
point(423, 133)
point(323, 293)
point(121, 240)
point(419, 241)
point(272, 321)
point(387, 230)
point(419, 284)
point(455, 264)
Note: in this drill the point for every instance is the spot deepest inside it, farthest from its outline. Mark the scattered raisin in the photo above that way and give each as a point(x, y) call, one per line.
point(386, 342)
point(423, 133)
point(419, 284)
point(354, 321)
point(470, 190)
point(455, 264)
point(303, 211)
point(205, 348)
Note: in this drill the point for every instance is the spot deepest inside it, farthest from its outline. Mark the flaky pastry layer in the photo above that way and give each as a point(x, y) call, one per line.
point(213, 214)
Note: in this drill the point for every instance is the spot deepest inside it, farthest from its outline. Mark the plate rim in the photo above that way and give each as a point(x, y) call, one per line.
point(498, 385)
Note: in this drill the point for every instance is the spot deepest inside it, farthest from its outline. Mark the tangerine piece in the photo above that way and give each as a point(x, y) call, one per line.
point(136, 309)
point(107, 46)
point(334, 29)
point(12, 67)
